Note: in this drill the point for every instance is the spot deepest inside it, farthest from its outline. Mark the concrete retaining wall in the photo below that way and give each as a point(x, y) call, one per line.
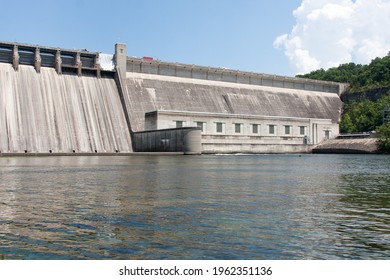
point(239, 147)
point(185, 140)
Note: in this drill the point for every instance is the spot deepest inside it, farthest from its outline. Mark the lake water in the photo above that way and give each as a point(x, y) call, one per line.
point(195, 207)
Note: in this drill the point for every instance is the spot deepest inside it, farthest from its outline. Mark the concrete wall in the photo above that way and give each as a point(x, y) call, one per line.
point(184, 140)
point(157, 67)
point(192, 94)
point(51, 113)
point(247, 133)
point(348, 146)
point(63, 101)
point(244, 148)
point(146, 93)
point(120, 59)
point(240, 125)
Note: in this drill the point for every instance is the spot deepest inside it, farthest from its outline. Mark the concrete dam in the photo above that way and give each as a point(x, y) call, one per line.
point(42, 111)
point(58, 101)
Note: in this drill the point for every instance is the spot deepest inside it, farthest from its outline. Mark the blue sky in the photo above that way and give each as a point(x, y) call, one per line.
point(221, 33)
point(281, 37)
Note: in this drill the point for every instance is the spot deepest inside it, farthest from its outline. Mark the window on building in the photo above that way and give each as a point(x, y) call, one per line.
point(302, 130)
point(219, 127)
point(327, 134)
point(255, 128)
point(179, 124)
point(287, 129)
point(200, 125)
point(271, 128)
point(237, 128)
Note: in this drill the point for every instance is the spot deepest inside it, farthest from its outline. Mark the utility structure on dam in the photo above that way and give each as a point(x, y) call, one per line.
point(59, 101)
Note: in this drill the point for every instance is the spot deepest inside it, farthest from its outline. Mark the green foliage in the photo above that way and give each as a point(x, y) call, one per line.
point(366, 115)
point(384, 130)
point(363, 116)
point(384, 133)
point(360, 77)
point(346, 124)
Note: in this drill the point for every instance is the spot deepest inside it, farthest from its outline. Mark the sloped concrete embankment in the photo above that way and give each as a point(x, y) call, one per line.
point(348, 146)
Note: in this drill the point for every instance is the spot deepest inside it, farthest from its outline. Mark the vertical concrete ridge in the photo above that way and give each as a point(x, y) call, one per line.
point(119, 84)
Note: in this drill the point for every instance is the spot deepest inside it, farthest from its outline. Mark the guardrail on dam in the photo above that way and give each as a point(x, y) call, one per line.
point(69, 61)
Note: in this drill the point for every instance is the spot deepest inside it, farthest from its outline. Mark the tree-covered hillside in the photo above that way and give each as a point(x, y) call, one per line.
point(360, 77)
point(362, 115)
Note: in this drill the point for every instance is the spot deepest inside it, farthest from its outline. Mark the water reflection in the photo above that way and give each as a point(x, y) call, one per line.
point(361, 216)
point(206, 207)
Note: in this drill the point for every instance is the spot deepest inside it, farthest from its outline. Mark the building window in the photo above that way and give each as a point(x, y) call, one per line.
point(302, 130)
point(255, 128)
point(237, 128)
point(287, 129)
point(200, 125)
point(179, 124)
point(219, 127)
point(327, 134)
point(271, 128)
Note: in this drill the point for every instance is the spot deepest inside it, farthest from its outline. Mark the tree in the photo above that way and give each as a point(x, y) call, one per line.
point(384, 133)
point(360, 77)
point(365, 115)
point(346, 124)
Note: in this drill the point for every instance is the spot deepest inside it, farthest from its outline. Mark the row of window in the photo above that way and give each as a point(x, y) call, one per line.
point(238, 128)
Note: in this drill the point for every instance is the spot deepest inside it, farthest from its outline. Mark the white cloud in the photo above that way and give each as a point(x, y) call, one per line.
point(328, 33)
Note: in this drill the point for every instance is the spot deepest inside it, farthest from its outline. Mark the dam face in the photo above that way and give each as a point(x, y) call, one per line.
point(148, 93)
point(69, 101)
point(47, 112)
point(237, 112)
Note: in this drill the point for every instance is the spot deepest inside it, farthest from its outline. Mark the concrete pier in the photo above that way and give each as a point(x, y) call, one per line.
point(15, 58)
point(37, 60)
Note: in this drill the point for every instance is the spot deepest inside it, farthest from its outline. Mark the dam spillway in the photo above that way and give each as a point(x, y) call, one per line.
point(46, 112)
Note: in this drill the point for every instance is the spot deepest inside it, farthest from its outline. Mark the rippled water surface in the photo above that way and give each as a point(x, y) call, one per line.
point(195, 207)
